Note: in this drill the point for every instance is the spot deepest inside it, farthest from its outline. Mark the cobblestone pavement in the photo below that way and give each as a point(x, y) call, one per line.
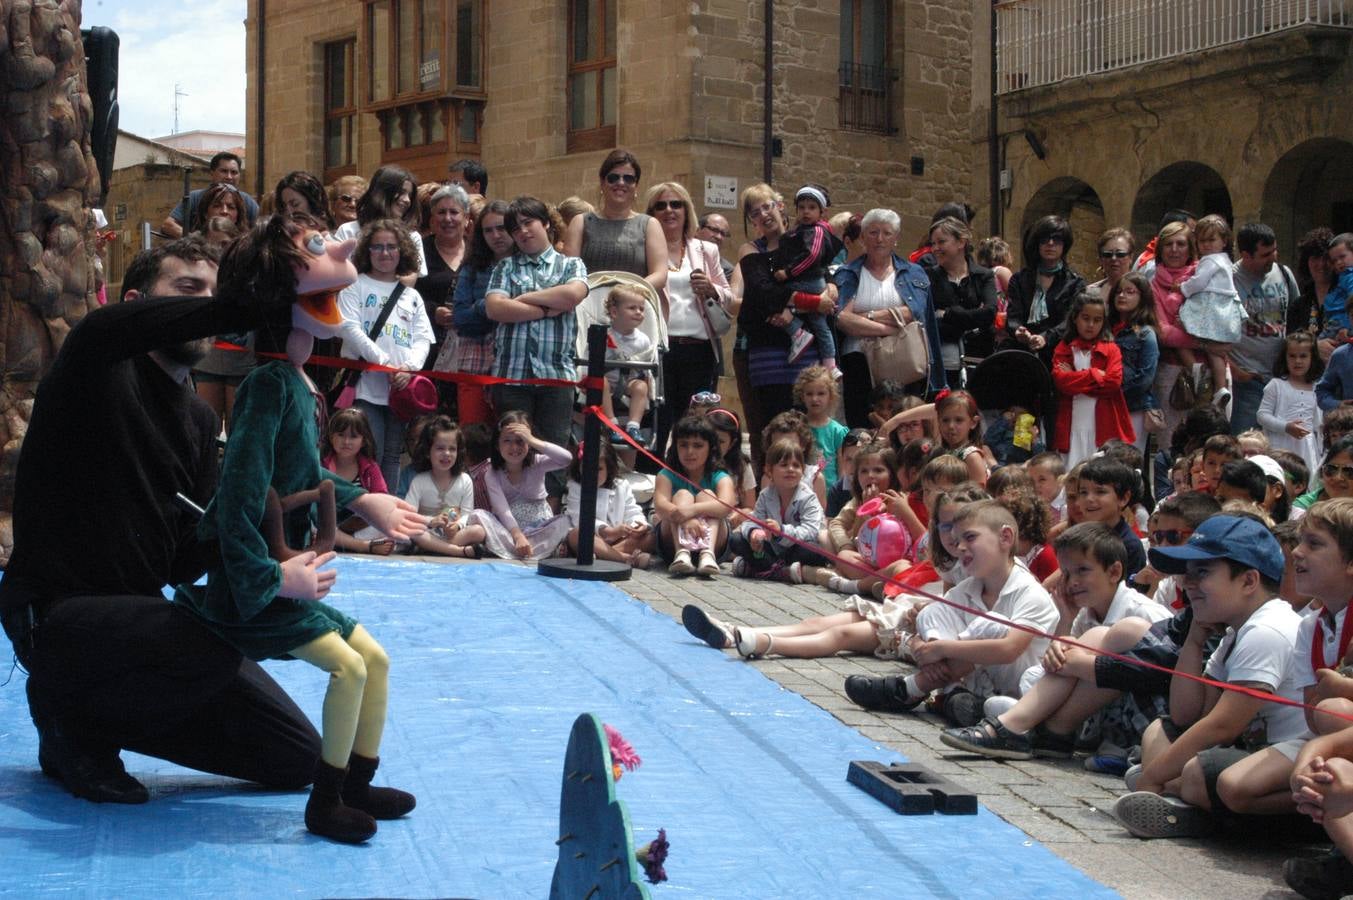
point(1056, 803)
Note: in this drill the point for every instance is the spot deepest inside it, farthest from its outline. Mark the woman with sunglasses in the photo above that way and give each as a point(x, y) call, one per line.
point(1336, 477)
point(616, 238)
point(694, 277)
point(1041, 292)
point(343, 196)
point(1116, 252)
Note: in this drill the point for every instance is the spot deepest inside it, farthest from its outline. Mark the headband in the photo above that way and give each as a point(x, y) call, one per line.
point(813, 194)
point(726, 412)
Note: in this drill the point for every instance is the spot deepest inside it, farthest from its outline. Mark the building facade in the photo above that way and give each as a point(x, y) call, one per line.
point(1114, 113)
point(869, 97)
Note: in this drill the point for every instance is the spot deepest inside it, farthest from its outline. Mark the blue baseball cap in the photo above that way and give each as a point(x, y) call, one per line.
point(1237, 538)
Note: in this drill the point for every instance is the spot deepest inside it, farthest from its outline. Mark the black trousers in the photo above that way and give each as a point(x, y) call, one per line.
point(138, 673)
point(771, 553)
point(687, 369)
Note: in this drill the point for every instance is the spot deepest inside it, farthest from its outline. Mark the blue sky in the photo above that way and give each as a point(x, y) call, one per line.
point(197, 43)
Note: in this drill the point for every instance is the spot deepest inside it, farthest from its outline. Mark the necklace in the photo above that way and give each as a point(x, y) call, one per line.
point(678, 252)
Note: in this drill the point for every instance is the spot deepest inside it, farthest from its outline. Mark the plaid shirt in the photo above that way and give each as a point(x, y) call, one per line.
point(542, 348)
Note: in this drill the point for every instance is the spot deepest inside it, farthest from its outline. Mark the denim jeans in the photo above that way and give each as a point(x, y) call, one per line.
point(1245, 399)
point(388, 431)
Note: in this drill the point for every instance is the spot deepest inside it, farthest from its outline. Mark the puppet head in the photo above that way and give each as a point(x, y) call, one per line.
point(322, 270)
point(289, 267)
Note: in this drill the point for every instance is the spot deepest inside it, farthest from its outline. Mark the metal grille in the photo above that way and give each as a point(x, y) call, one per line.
point(867, 97)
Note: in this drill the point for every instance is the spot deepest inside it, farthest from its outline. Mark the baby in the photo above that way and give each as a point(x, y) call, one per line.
point(625, 342)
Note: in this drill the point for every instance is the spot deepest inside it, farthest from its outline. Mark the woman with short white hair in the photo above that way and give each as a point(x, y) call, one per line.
point(871, 286)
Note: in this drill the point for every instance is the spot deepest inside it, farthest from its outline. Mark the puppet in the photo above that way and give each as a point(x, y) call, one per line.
point(263, 597)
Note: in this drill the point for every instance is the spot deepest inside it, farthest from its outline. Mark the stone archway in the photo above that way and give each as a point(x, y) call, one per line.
point(1190, 185)
point(1078, 203)
point(1310, 185)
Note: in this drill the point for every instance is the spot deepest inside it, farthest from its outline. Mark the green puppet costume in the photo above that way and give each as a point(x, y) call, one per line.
point(274, 442)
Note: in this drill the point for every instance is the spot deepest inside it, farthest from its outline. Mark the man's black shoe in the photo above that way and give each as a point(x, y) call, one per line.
point(102, 779)
point(886, 693)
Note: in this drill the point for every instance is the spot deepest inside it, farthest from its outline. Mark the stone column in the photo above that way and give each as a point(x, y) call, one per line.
point(48, 182)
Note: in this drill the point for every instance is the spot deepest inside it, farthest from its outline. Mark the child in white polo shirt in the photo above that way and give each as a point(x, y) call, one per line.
point(982, 656)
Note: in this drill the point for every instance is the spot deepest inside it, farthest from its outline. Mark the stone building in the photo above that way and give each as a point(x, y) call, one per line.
point(870, 97)
point(1113, 113)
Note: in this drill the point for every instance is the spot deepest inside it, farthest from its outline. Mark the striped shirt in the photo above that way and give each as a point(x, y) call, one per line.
point(541, 348)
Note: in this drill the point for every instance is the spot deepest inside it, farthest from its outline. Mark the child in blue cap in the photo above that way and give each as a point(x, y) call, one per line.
point(1231, 568)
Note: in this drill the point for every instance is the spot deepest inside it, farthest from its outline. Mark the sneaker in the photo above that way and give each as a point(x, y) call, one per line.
point(715, 632)
point(681, 563)
point(709, 565)
point(799, 344)
point(998, 706)
point(1221, 398)
point(962, 707)
point(885, 693)
point(989, 738)
point(795, 572)
point(745, 639)
point(617, 440)
point(1149, 815)
point(1328, 876)
point(740, 569)
point(1105, 764)
point(1132, 776)
point(634, 431)
point(836, 373)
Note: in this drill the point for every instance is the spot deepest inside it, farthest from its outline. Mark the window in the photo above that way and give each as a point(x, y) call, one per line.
point(405, 56)
point(340, 106)
point(469, 43)
point(591, 74)
point(866, 80)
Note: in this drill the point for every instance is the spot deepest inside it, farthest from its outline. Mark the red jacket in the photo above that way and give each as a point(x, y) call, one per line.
point(1103, 381)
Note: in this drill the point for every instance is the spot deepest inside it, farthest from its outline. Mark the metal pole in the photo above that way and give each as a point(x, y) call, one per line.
point(587, 515)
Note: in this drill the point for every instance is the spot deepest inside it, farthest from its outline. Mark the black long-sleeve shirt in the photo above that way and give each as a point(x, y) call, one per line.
point(112, 438)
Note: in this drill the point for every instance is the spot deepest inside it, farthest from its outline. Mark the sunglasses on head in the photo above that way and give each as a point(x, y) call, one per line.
point(706, 398)
point(1171, 536)
point(617, 177)
point(664, 205)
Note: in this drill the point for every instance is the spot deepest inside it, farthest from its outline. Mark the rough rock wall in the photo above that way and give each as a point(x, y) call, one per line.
point(48, 181)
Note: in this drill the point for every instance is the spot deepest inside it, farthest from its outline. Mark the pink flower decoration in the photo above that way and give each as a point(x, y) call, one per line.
point(622, 754)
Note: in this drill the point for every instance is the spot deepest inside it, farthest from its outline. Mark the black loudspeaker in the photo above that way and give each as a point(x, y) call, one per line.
point(101, 51)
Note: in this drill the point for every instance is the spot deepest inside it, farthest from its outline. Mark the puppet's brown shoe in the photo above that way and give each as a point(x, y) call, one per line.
point(378, 802)
point(327, 816)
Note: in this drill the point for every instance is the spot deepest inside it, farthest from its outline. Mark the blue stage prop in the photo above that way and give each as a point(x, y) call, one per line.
point(491, 665)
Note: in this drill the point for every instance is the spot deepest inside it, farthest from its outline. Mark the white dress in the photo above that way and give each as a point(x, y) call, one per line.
point(1284, 403)
point(1082, 445)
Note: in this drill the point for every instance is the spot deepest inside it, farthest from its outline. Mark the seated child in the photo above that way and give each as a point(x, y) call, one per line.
point(815, 390)
point(622, 533)
point(625, 342)
point(1014, 436)
point(1232, 568)
point(1218, 450)
point(1047, 470)
point(803, 259)
point(735, 462)
point(1092, 560)
point(1253, 442)
point(1034, 550)
point(971, 656)
point(839, 493)
point(885, 400)
point(1322, 564)
point(908, 430)
point(864, 626)
point(442, 490)
point(794, 424)
point(351, 454)
point(478, 458)
point(1106, 492)
point(787, 508)
point(1259, 480)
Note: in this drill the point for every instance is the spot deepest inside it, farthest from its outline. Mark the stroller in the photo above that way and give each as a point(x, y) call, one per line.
point(592, 311)
point(1006, 379)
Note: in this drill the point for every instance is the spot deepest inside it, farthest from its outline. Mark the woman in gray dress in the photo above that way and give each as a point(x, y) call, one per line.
point(616, 238)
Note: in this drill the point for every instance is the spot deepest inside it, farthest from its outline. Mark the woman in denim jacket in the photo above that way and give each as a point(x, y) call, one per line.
point(869, 286)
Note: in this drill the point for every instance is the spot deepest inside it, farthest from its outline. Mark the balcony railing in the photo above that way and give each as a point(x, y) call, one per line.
point(1042, 42)
point(867, 97)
